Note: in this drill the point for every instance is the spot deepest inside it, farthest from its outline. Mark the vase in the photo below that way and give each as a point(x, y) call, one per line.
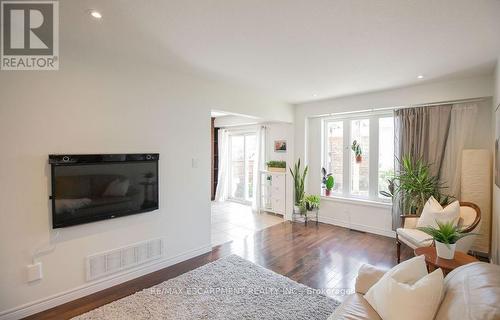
point(445, 252)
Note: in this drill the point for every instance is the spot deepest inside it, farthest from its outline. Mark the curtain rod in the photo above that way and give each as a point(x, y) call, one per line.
point(398, 107)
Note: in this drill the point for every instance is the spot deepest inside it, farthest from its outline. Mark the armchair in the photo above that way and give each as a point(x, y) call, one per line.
point(470, 216)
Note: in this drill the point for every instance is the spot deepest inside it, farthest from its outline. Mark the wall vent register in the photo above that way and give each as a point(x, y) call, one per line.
point(110, 262)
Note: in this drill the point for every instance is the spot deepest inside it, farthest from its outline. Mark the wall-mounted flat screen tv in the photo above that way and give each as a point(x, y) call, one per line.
point(88, 188)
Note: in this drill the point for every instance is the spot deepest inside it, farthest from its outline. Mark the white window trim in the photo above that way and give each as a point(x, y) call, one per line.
point(346, 196)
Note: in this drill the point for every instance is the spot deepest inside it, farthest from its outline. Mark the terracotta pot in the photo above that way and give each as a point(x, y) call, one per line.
point(359, 159)
point(328, 192)
point(444, 252)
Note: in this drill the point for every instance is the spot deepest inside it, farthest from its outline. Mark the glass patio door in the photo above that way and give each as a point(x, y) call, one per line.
point(241, 159)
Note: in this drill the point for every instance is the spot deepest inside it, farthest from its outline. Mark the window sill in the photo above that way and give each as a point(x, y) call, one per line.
point(356, 201)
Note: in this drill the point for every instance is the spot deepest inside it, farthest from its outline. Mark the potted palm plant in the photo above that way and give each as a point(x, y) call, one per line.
point(329, 183)
point(356, 147)
point(445, 237)
point(299, 177)
point(414, 184)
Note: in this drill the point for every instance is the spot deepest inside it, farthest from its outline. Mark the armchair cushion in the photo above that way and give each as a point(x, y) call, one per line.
point(414, 238)
point(433, 212)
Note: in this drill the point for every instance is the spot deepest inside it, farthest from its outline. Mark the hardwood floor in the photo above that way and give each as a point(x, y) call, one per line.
point(322, 257)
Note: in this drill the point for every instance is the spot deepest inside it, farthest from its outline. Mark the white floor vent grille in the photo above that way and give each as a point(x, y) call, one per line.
point(106, 263)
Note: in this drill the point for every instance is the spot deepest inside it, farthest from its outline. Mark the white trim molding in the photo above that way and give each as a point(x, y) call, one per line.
point(87, 289)
point(355, 226)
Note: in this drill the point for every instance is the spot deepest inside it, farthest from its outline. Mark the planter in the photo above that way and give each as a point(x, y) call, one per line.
point(272, 169)
point(359, 159)
point(328, 192)
point(444, 252)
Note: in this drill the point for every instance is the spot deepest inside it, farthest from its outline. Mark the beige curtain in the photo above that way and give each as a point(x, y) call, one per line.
point(421, 133)
point(463, 120)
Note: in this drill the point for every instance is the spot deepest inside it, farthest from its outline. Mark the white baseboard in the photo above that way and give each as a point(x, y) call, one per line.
point(359, 227)
point(87, 289)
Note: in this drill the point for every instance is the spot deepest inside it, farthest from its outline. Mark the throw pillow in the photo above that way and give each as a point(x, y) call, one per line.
point(407, 292)
point(117, 188)
point(433, 211)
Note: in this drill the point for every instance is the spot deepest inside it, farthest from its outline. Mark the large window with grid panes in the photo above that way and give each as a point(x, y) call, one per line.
point(364, 176)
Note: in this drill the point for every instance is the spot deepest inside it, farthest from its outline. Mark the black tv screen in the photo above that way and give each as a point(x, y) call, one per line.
point(88, 188)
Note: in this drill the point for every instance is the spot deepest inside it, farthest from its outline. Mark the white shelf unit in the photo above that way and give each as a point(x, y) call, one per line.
point(273, 192)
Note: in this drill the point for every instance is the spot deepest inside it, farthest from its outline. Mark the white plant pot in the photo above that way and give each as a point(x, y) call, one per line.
point(296, 209)
point(444, 252)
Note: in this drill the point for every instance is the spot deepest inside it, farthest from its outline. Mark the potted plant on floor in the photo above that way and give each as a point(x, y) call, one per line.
point(445, 237)
point(414, 185)
point(299, 177)
point(330, 182)
point(311, 207)
point(356, 147)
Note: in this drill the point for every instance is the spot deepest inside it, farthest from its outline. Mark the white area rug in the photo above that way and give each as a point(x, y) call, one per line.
point(229, 288)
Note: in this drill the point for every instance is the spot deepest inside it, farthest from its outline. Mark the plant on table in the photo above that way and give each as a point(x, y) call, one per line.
point(276, 164)
point(445, 236)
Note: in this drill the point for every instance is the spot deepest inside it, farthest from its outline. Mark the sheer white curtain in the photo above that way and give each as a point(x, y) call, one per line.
point(463, 119)
point(260, 147)
point(221, 193)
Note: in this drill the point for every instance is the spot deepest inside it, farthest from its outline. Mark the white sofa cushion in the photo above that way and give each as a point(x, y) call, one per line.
point(433, 212)
point(407, 292)
point(414, 238)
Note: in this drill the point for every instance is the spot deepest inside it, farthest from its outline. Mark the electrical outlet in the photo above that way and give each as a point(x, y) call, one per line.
point(35, 272)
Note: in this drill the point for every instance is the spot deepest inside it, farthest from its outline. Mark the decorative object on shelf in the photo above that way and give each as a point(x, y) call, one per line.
point(414, 185)
point(299, 177)
point(330, 182)
point(276, 166)
point(356, 147)
point(279, 145)
point(445, 237)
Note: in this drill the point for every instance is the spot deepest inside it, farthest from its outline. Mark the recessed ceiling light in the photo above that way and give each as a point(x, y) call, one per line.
point(95, 14)
point(420, 76)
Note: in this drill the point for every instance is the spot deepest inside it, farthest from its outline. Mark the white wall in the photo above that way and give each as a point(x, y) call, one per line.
point(108, 107)
point(375, 217)
point(496, 189)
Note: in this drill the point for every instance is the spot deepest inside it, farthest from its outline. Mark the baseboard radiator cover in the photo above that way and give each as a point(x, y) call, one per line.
point(107, 263)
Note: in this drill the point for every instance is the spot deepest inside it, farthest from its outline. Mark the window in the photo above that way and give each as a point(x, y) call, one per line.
point(385, 153)
point(334, 163)
point(242, 158)
point(360, 177)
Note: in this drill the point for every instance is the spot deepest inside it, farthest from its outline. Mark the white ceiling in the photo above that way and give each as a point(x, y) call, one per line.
point(297, 50)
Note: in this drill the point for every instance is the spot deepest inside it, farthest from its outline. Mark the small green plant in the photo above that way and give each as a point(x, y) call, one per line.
point(330, 182)
point(356, 147)
point(325, 176)
point(311, 202)
point(299, 178)
point(276, 164)
point(446, 233)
